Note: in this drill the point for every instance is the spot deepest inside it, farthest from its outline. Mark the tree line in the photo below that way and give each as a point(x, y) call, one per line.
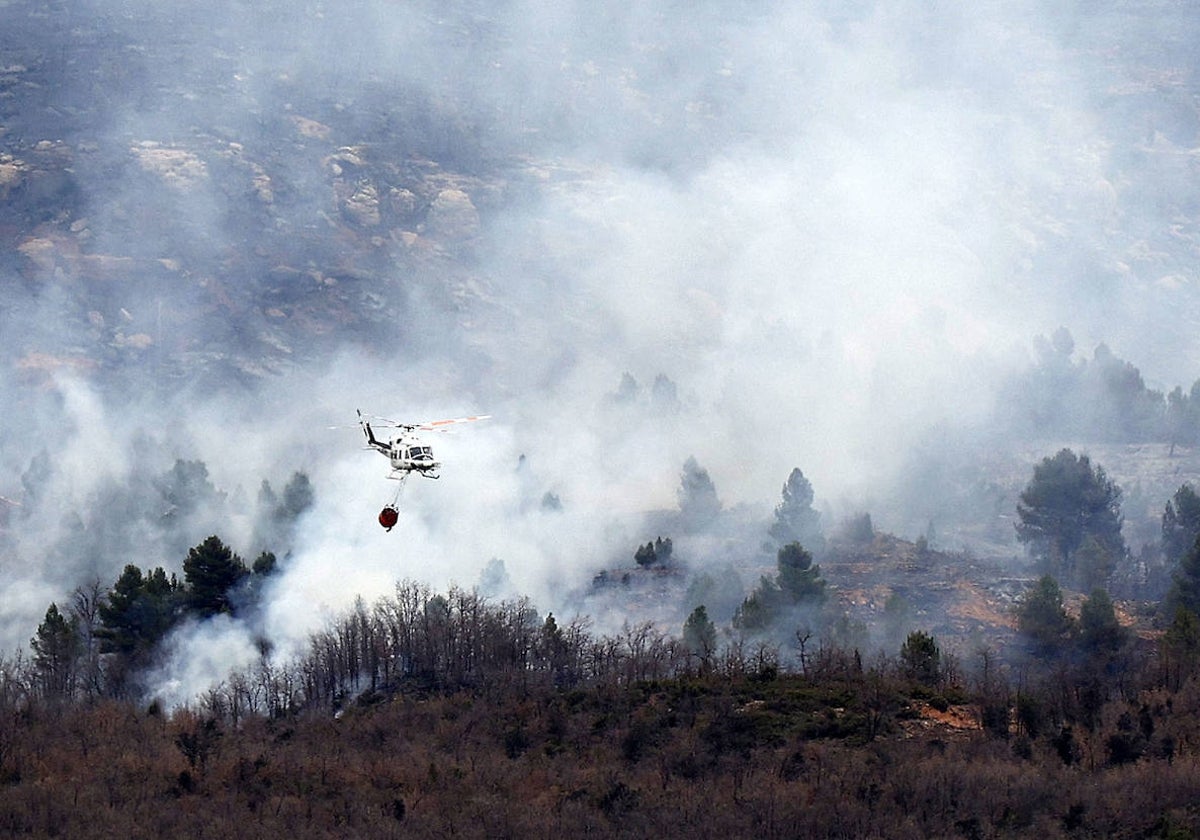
point(1102, 398)
point(102, 640)
point(1068, 517)
point(442, 711)
point(480, 693)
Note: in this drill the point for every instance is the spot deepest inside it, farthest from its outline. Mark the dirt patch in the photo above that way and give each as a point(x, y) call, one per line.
point(954, 721)
point(972, 603)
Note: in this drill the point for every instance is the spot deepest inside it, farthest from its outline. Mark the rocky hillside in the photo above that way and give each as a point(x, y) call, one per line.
point(228, 190)
point(272, 224)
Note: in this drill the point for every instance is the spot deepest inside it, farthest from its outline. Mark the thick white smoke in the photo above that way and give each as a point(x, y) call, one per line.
point(829, 226)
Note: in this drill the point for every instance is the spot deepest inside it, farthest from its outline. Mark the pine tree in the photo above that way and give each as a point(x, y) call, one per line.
point(1180, 648)
point(663, 549)
point(212, 571)
point(120, 618)
point(56, 650)
point(644, 556)
point(1180, 524)
point(265, 564)
point(798, 578)
point(698, 502)
point(1185, 588)
point(138, 611)
point(920, 658)
point(795, 518)
point(760, 608)
point(298, 496)
point(798, 582)
point(1067, 501)
point(119, 626)
point(1042, 617)
point(1095, 563)
point(1099, 630)
point(186, 486)
point(700, 635)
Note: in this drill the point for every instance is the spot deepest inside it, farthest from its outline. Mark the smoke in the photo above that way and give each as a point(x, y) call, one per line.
point(829, 227)
point(199, 655)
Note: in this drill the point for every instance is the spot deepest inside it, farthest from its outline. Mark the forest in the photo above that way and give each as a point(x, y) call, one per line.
point(443, 713)
point(426, 713)
point(469, 711)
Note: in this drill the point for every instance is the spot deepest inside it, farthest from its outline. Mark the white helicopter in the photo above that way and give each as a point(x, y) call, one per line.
point(407, 453)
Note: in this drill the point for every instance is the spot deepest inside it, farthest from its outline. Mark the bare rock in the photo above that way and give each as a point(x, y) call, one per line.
point(362, 206)
point(178, 168)
point(452, 216)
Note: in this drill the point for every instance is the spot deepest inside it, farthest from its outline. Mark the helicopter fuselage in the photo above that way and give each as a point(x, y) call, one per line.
point(408, 455)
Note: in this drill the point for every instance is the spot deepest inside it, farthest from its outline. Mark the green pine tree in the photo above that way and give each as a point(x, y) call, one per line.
point(212, 572)
point(798, 578)
point(700, 635)
point(1042, 617)
point(56, 649)
point(920, 658)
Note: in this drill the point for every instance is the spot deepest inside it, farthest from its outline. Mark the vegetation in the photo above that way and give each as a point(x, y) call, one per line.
point(799, 580)
point(700, 636)
point(457, 713)
point(1185, 589)
point(656, 553)
point(431, 712)
point(698, 502)
point(795, 519)
point(1070, 518)
point(452, 713)
point(858, 529)
point(797, 585)
point(212, 572)
point(1180, 524)
point(920, 658)
point(1043, 619)
point(1100, 633)
point(1101, 399)
point(436, 713)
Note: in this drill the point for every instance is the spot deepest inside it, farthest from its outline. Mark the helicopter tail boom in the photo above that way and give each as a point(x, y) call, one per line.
point(372, 441)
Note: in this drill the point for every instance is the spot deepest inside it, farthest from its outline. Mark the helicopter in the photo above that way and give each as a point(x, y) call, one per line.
point(407, 453)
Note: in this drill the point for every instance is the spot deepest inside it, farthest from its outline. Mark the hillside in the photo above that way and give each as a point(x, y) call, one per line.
point(695, 757)
point(894, 254)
